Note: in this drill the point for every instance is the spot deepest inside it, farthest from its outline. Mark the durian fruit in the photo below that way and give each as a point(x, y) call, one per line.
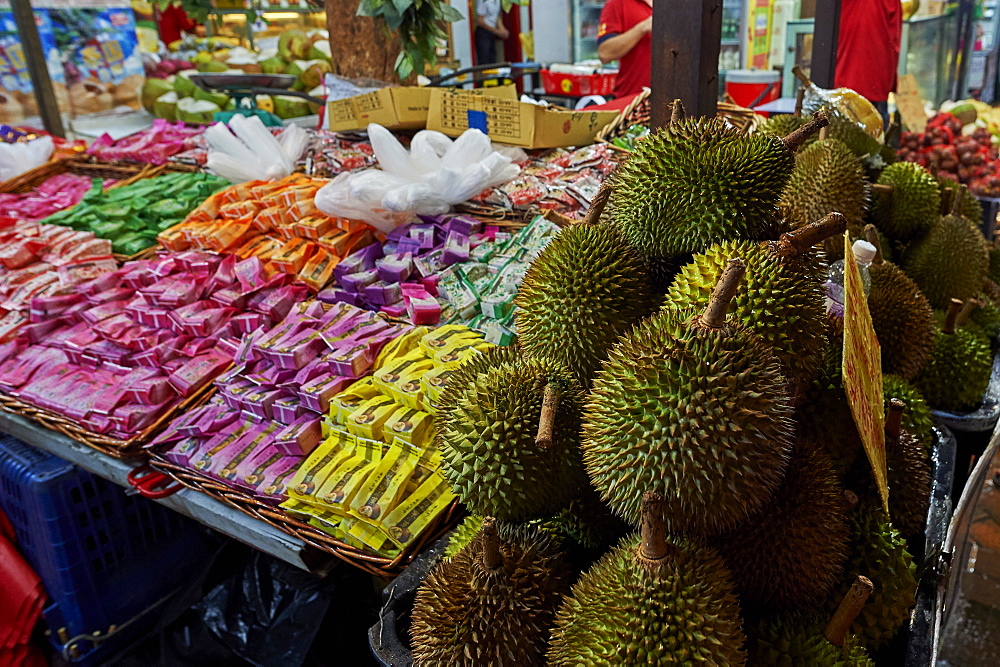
point(984, 316)
point(908, 472)
point(463, 534)
point(911, 208)
point(917, 419)
point(693, 408)
point(827, 177)
point(490, 435)
point(651, 600)
point(951, 262)
point(588, 522)
point(493, 602)
point(792, 553)
point(994, 272)
point(959, 369)
point(782, 301)
point(804, 638)
point(967, 204)
point(702, 181)
point(901, 316)
point(879, 553)
point(784, 124)
point(579, 296)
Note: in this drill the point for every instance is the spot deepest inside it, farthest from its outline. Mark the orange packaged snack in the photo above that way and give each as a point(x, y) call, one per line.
point(293, 255)
point(318, 271)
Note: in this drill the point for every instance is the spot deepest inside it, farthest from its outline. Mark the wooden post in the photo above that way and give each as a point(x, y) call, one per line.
point(825, 38)
point(687, 35)
point(45, 96)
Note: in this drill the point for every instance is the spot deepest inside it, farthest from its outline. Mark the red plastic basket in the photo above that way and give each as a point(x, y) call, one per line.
point(578, 85)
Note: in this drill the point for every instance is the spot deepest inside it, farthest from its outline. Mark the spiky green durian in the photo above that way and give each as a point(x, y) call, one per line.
point(912, 207)
point(463, 534)
point(783, 124)
point(902, 318)
point(796, 638)
point(693, 408)
point(487, 430)
point(827, 178)
point(782, 300)
point(994, 272)
point(917, 418)
point(951, 262)
point(493, 602)
point(699, 182)
point(968, 205)
point(651, 601)
point(879, 553)
point(792, 553)
point(584, 291)
point(958, 372)
point(987, 316)
point(588, 522)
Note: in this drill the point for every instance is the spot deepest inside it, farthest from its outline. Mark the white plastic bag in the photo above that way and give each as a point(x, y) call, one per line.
point(15, 159)
point(428, 179)
point(245, 150)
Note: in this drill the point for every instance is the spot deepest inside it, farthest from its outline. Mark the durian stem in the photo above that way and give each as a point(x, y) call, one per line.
point(838, 627)
point(491, 544)
point(718, 305)
point(799, 241)
point(871, 235)
point(894, 420)
point(851, 500)
point(799, 136)
point(824, 133)
point(947, 197)
point(547, 420)
point(653, 530)
point(884, 189)
point(956, 205)
point(599, 203)
point(677, 112)
point(801, 76)
point(951, 319)
point(800, 96)
point(966, 312)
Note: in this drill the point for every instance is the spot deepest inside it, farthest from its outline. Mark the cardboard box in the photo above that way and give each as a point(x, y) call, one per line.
point(508, 121)
point(401, 108)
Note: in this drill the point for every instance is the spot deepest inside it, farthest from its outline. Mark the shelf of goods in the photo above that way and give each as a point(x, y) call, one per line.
point(198, 506)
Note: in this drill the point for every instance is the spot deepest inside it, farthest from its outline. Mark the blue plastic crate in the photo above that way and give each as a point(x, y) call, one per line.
point(103, 557)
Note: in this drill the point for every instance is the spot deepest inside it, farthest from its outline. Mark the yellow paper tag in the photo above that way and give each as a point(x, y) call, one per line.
point(910, 103)
point(862, 371)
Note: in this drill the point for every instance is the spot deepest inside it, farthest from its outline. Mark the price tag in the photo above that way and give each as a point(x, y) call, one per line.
point(863, 372)
point(910, 104)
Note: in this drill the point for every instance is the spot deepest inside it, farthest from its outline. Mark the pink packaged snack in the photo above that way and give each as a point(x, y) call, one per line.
point(150, 388)
point(247, 322)
point(224, 463)
point(277, 301)
point(250, 274)
point(51, 306)
point(21, 369)
point(350, 360)
point(300, 437)
point(233, 392)
point(219, 442)
point(296, 350)
point(130, 420)
point(113, 294)
point(35, 333)
point(287, 409)
point(397, 309)
point(105, 310)
point(199, 371)
point(197, 345)
point(258, 401)
point(316, 394)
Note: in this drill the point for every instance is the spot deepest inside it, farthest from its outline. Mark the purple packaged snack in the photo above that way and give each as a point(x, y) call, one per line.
point(197, 345)
point(423, 235)
point(328, 295)
point(224, 275)
point(381, 293)
point(131, 419)
point(397, 309)
point(277, 301)
point(456, 248)
point(246, 322)
point(287, 409)
point(408, 245)
point(350, 360)
point(219, 442)
point(273, 375)
point(316, 394)
point(268, 474)
point(463, 225)
point(250, 273)
point(296, 350)
point(359, 260)
point(355, 282)
point(395, 267)
point(258, 401)
point(300, 437)
point(234, 391)
point(430, 263)
point(343, 296)
point(225, 462)
point(317, 368)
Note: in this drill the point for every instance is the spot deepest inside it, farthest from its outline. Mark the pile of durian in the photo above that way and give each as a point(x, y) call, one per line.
point(665, 468)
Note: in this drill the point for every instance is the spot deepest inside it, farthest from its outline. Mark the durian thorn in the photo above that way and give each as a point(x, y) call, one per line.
point(798, 242)
point(800, 96)
point(598, 204)
point(824, 133)
point(677, 112)
point(966, 312)
point(800, 74)
point(871, 235)
point(547, 419)
point(894, 420)
point(851, 500)
point(718, 305)
point(884, 189)
point(951, 319)
point(491, 544)
point(947, 197)
point(848, 610)
point(798, 137)
point(653, 529)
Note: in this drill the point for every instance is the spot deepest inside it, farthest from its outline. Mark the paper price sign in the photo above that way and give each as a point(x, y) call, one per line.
point(862, 371)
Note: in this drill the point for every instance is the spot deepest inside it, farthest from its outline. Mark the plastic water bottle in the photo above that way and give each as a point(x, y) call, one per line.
point(864, 253)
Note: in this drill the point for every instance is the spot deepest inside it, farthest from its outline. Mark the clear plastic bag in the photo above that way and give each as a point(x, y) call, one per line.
point(17, 158)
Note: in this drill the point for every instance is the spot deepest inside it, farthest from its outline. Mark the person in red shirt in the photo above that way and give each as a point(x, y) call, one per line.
point(624, 36)
point(868, 48)
point(173, 23)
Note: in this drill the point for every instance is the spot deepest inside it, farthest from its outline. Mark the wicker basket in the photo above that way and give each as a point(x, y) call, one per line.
point(126, 174)
point(119, 449)
point(313, 537)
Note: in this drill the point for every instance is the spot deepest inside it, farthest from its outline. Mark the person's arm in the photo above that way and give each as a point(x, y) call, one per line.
point(613, 48)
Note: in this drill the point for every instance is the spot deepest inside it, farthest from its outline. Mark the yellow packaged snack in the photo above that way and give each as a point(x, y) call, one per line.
point(409, 425)
point(446, 336)
point(343, 483)
point(415, 512)
point(407, 369)
point(429, 461)
point(319, 464)
point(374, 538)
point(455, 355)
point(432, 384)
point(385, 486)
point(368, 420)
point(400, 346)
point(349, 400)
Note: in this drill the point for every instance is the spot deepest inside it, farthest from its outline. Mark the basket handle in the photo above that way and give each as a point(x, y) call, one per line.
point(151, 483)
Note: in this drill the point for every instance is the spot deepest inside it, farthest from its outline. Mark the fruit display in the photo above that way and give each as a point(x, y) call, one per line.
point(955, 151)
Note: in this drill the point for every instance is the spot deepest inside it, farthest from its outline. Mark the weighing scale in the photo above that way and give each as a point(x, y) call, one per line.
point(244, 88)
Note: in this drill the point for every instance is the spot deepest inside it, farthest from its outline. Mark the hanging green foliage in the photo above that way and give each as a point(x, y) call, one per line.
point(419, 24)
